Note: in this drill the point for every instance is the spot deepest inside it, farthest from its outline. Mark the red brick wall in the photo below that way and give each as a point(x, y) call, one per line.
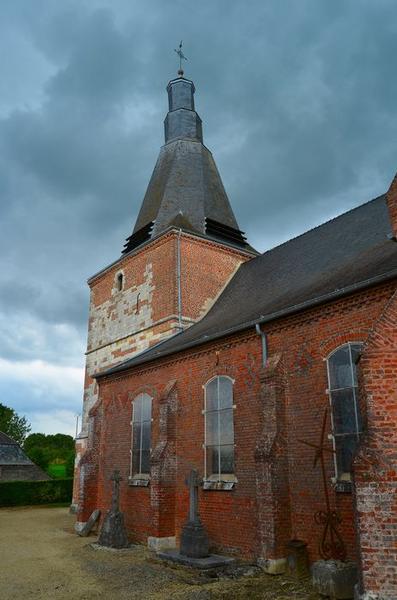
point(283, 473)
point(206, 268)
point(376, 463)
point(146, 310)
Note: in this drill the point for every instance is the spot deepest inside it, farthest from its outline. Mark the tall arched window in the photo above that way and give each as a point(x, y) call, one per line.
point(219, 431)
point(346, 419)
point(141, 434)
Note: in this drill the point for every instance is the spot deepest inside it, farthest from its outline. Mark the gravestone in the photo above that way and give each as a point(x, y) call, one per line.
point(113, 533)
point(194, 539)
point(334, 579)
point(87, 528)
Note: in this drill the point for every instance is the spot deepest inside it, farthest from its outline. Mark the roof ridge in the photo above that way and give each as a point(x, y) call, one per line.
point(320, 225)
point(9, 440)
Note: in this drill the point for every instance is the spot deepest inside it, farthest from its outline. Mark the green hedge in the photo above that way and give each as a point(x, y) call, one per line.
point(24, 493)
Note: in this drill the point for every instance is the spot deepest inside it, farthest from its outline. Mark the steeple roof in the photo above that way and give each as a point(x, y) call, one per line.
point(185, 189)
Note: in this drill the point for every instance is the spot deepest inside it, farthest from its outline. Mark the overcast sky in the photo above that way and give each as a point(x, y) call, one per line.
point(299, 107)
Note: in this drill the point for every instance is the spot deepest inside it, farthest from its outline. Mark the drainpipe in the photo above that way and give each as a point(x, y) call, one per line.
point(264, 343)
point(178, 277)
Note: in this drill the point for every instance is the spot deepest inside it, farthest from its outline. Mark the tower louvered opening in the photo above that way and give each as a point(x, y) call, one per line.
point(224, 232)
point(138, 238)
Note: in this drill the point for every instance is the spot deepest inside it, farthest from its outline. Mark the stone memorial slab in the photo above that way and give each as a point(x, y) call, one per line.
point(88, 527)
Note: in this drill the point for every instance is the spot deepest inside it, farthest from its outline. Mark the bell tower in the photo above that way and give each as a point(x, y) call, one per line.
point(183, 250)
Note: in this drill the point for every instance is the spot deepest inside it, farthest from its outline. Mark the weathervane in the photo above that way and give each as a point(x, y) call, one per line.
point(181, 58)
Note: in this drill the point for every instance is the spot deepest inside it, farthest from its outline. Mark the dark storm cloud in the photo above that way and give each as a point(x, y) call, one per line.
point(64, 305)
point(298, 101)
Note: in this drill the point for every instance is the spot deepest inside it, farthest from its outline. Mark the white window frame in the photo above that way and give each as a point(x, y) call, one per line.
point(139, 474)
point(345, 475)
point(219, 477)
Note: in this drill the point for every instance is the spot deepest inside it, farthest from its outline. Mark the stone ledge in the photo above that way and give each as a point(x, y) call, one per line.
point(343, 487)
point(100, 548)
point(159, 544)
point(138, 481)
point(210, 562)
point(226, 486)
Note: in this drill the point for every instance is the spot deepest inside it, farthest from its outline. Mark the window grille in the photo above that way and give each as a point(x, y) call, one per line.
point(345, 414)
point(141, 434)
point(219, 430)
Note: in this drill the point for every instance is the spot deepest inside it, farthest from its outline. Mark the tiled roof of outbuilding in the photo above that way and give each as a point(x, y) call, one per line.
point(5, 439)
point(350, 252)
point(11, 453)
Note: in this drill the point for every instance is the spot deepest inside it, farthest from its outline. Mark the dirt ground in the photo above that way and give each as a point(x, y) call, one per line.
point(43, 559)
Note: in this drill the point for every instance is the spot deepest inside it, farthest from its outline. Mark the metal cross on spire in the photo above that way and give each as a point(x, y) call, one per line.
point(181, 58)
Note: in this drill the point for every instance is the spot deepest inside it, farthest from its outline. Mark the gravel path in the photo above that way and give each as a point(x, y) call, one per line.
point(43, 559)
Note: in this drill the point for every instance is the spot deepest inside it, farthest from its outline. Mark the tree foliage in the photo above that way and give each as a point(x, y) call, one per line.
point(13, 425)
point(46, 449)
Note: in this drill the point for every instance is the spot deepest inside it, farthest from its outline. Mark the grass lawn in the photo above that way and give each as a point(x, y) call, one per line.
point(56, 470)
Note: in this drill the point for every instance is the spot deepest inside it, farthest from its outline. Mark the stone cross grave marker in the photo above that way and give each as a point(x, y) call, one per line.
point(194, 539)
point(113, 533)
point(116, 478)
point(193, 481)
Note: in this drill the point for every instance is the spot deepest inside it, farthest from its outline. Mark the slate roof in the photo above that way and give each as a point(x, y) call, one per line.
point(185, 188)
point(11, 453)
point(348, 253)
point(185, 182)
point(5, 439)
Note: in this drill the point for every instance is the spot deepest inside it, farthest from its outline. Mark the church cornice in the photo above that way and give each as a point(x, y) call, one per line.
point(275, 322)
point(212, 346)
point(160, 239)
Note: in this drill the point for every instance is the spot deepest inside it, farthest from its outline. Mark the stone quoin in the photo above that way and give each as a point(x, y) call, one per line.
point(205, 355)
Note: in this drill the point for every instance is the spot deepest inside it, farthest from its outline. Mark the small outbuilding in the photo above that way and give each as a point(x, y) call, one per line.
point(15, 465)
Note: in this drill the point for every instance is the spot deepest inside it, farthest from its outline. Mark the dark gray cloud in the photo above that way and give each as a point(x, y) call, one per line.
point(298, 101)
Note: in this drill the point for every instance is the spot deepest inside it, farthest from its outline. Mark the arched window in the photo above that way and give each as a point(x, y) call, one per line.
point(219, 431)
point(346, 419)
point(141, 433)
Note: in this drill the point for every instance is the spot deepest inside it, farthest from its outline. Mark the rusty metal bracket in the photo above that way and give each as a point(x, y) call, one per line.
point(331, 544)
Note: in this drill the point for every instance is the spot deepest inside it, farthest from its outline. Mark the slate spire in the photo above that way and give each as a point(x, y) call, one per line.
point(185, 189)
point(182, 121)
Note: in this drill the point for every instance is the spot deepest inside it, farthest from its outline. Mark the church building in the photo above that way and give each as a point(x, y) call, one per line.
point(204, 354)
